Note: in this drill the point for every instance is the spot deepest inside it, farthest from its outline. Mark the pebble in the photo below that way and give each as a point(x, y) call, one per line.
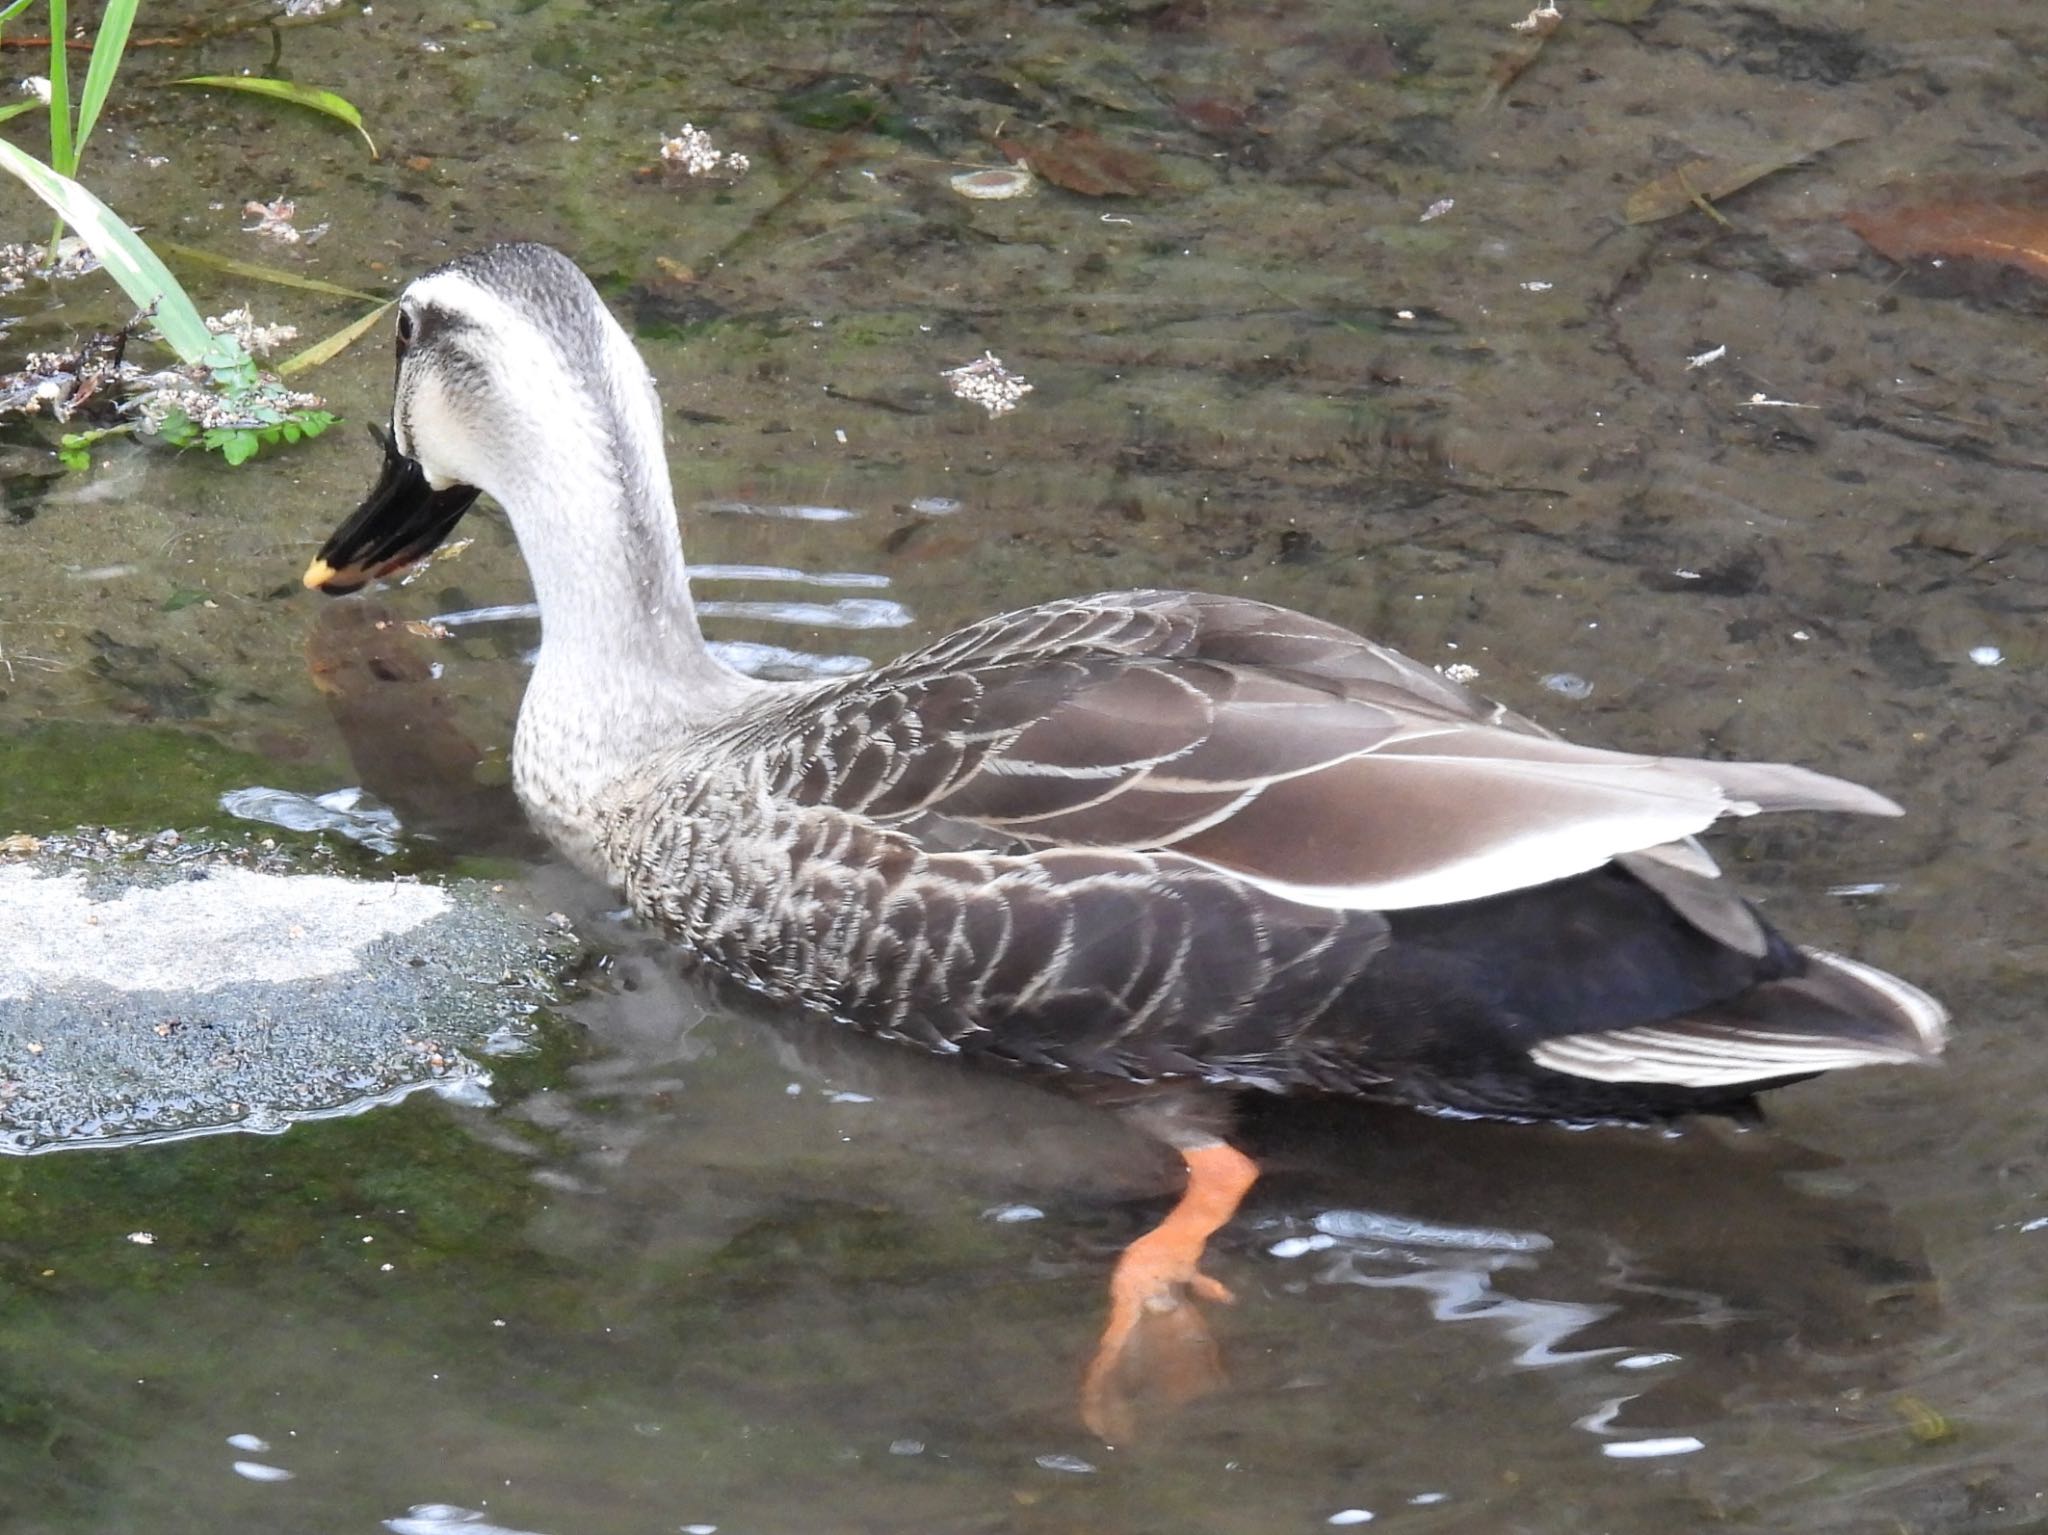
point(995, 185)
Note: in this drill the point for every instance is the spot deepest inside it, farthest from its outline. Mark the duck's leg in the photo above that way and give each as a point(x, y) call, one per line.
point(1156, 1342)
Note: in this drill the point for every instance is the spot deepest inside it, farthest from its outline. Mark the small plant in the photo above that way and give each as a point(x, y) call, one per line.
point(217, 398)
point(233, 409)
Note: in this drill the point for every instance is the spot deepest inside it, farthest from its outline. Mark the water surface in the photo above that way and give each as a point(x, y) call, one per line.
point(698, 1268)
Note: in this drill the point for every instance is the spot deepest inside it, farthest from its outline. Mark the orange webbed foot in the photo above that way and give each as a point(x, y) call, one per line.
point(1157, 1344)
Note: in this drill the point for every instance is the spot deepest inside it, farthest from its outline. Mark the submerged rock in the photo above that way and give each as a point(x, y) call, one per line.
point(158, 987)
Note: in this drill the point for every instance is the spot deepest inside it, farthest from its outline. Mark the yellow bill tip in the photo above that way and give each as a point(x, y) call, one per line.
point(318, 574)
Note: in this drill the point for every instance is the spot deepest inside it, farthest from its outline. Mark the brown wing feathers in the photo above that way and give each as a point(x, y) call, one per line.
point(1153, 833)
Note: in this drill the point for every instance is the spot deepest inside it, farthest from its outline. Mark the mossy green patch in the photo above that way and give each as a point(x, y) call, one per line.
point(142, 778)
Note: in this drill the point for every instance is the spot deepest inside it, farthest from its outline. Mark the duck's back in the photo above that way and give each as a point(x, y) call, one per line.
point(1154, 835)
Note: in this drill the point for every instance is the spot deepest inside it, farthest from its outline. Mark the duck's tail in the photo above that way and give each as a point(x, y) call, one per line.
point(1838, 1013)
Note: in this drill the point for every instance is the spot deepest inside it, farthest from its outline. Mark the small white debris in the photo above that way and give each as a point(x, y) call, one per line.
point(1862, 891)
point(37, 86)
point(429, 45)
point(1685, 574)
point(1761, 398)
point(1295, 1247)
point(1650, 1449)
point(1011, 1215)
point(1424, 1499)
point(848, 1098)
point(1540, 22)
point(142, 1238)
point(274, 221)
point(1437, 209)
point(839, 435)
point(1536, 285)
point(1801, 634)
point(997, 185)
point(692, 152)
point(1351, 1516)
point(1703, 358)
point(1404, 314)
point(1568, 685)
point(1645, 1361)
point(906, 1447)
point(2038, 1223)
point(1987, 655)
point(987, 383)
point(1460, 671)
point(700, 1529)
point(256, 1471)
point(248, 1442)
point(795, 1089)
point(1071, 1464)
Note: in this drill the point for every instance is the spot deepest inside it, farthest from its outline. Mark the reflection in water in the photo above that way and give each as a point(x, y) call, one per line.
point(838, 578)
point(1368, 1225)
point(442, 1518)
point(779, 663)
point(1601, 1421)
point(257, 1471)
point(794, 513)
point(353, 813)
point(1537, 1328)
point(847, 613)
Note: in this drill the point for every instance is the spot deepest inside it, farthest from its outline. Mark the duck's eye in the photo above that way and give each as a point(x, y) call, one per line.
point(405, 331)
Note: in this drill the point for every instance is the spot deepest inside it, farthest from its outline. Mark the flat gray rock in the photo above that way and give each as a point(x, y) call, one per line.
point(153, 987)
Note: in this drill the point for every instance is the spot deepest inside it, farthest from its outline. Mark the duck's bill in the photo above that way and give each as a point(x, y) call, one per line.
point(402, 522)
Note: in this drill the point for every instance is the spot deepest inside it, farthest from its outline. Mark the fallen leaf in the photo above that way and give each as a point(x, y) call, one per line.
point(1701, 183)
point(1213, 115)
point(1087, 164)
point(1535, 30)
point(2002, 221)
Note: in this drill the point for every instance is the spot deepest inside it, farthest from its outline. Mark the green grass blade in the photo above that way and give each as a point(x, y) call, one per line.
point(16, 108)
point(107, 48)
point(258, 272)
point(308, 96)
point(62, 156)
point(132, 264)
point(13, 11)
point(331, 347)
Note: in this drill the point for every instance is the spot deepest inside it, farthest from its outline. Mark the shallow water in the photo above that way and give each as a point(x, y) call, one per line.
point(700, 1268)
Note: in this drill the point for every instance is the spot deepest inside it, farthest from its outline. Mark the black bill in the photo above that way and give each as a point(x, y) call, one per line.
point(403, 521)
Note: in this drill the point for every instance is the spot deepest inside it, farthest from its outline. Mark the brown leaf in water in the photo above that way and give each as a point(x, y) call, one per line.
point(1998, 221)
point(1086, 163)
point(1708, 181)
point(1212, 115)
point(1535, 30)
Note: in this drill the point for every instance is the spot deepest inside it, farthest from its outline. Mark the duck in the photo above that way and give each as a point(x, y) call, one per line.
point(1166, 847)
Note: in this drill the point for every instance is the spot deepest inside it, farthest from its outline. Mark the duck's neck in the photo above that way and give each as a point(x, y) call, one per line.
point(623, 668)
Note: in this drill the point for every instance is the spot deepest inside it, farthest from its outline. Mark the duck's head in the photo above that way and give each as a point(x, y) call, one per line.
point(510, 373)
